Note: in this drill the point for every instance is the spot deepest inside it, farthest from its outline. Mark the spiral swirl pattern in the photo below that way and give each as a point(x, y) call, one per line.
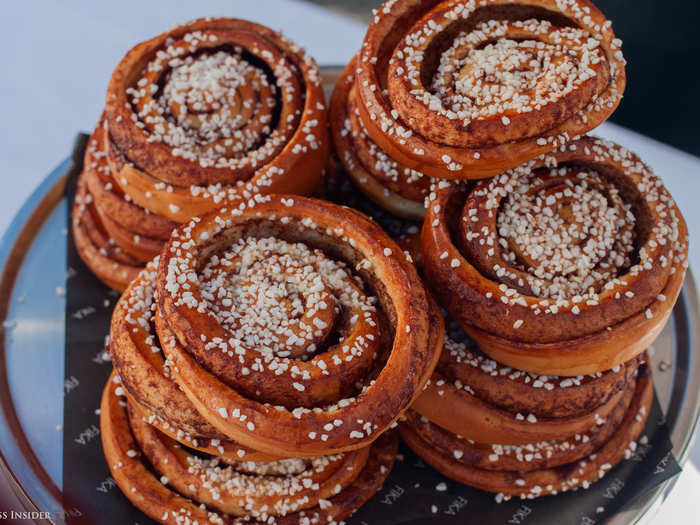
point(287, 299)
point(461, 90)
point(564, 233)
point(147, 379)
point(582, 250)
point(293, 317)
point(213, 111)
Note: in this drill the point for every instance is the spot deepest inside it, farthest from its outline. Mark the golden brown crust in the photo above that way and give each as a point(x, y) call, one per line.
point(110, 201)
point(535, 481)
point(518, 458)
point(220, 387)
point(201, 116)
point(517, 391)
point(464, 414)
point(138, 360)
point(177, 183)
point(130, 467)
point(500, 299)
point(140, 247)
point(110, 225)
point(104, 258)
point(224, 449)
point(390, 185)
point(418, 125)
point(589, 354)
point(193, 479)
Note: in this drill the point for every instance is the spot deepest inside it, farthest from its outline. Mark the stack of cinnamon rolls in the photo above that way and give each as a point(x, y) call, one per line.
point(210, 112)
point(556, 257)
point(266, 343)
point(259, 361)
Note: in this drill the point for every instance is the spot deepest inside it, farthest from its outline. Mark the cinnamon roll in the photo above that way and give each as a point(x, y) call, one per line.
point(540, 468)
point(206, 114)
point(569, 264)
point(482, 400)
point(464, 90)
point(174, 484)
point(212, 111)
point(294, 326)
point(515, 433)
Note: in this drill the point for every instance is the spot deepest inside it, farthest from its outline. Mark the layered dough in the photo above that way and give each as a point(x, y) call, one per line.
point(241, 292)
point(521, 434)
point(390, 185)
point(100, 253)
point(466, 90)
point(145, 374)
point(173, 484)
point(569, 264)
point(209, 113)
point(260, 362)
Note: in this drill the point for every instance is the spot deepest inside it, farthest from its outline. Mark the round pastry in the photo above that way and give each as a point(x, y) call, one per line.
point(539, 468)
point(392, 186)
point(294, 326)
point(100, 253)
point(569, 264)
point(464, 90)
point(213, 111)
point(520, 434)
point(174, 485)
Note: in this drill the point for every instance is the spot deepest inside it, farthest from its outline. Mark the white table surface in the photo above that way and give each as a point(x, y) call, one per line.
point(57, 57)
